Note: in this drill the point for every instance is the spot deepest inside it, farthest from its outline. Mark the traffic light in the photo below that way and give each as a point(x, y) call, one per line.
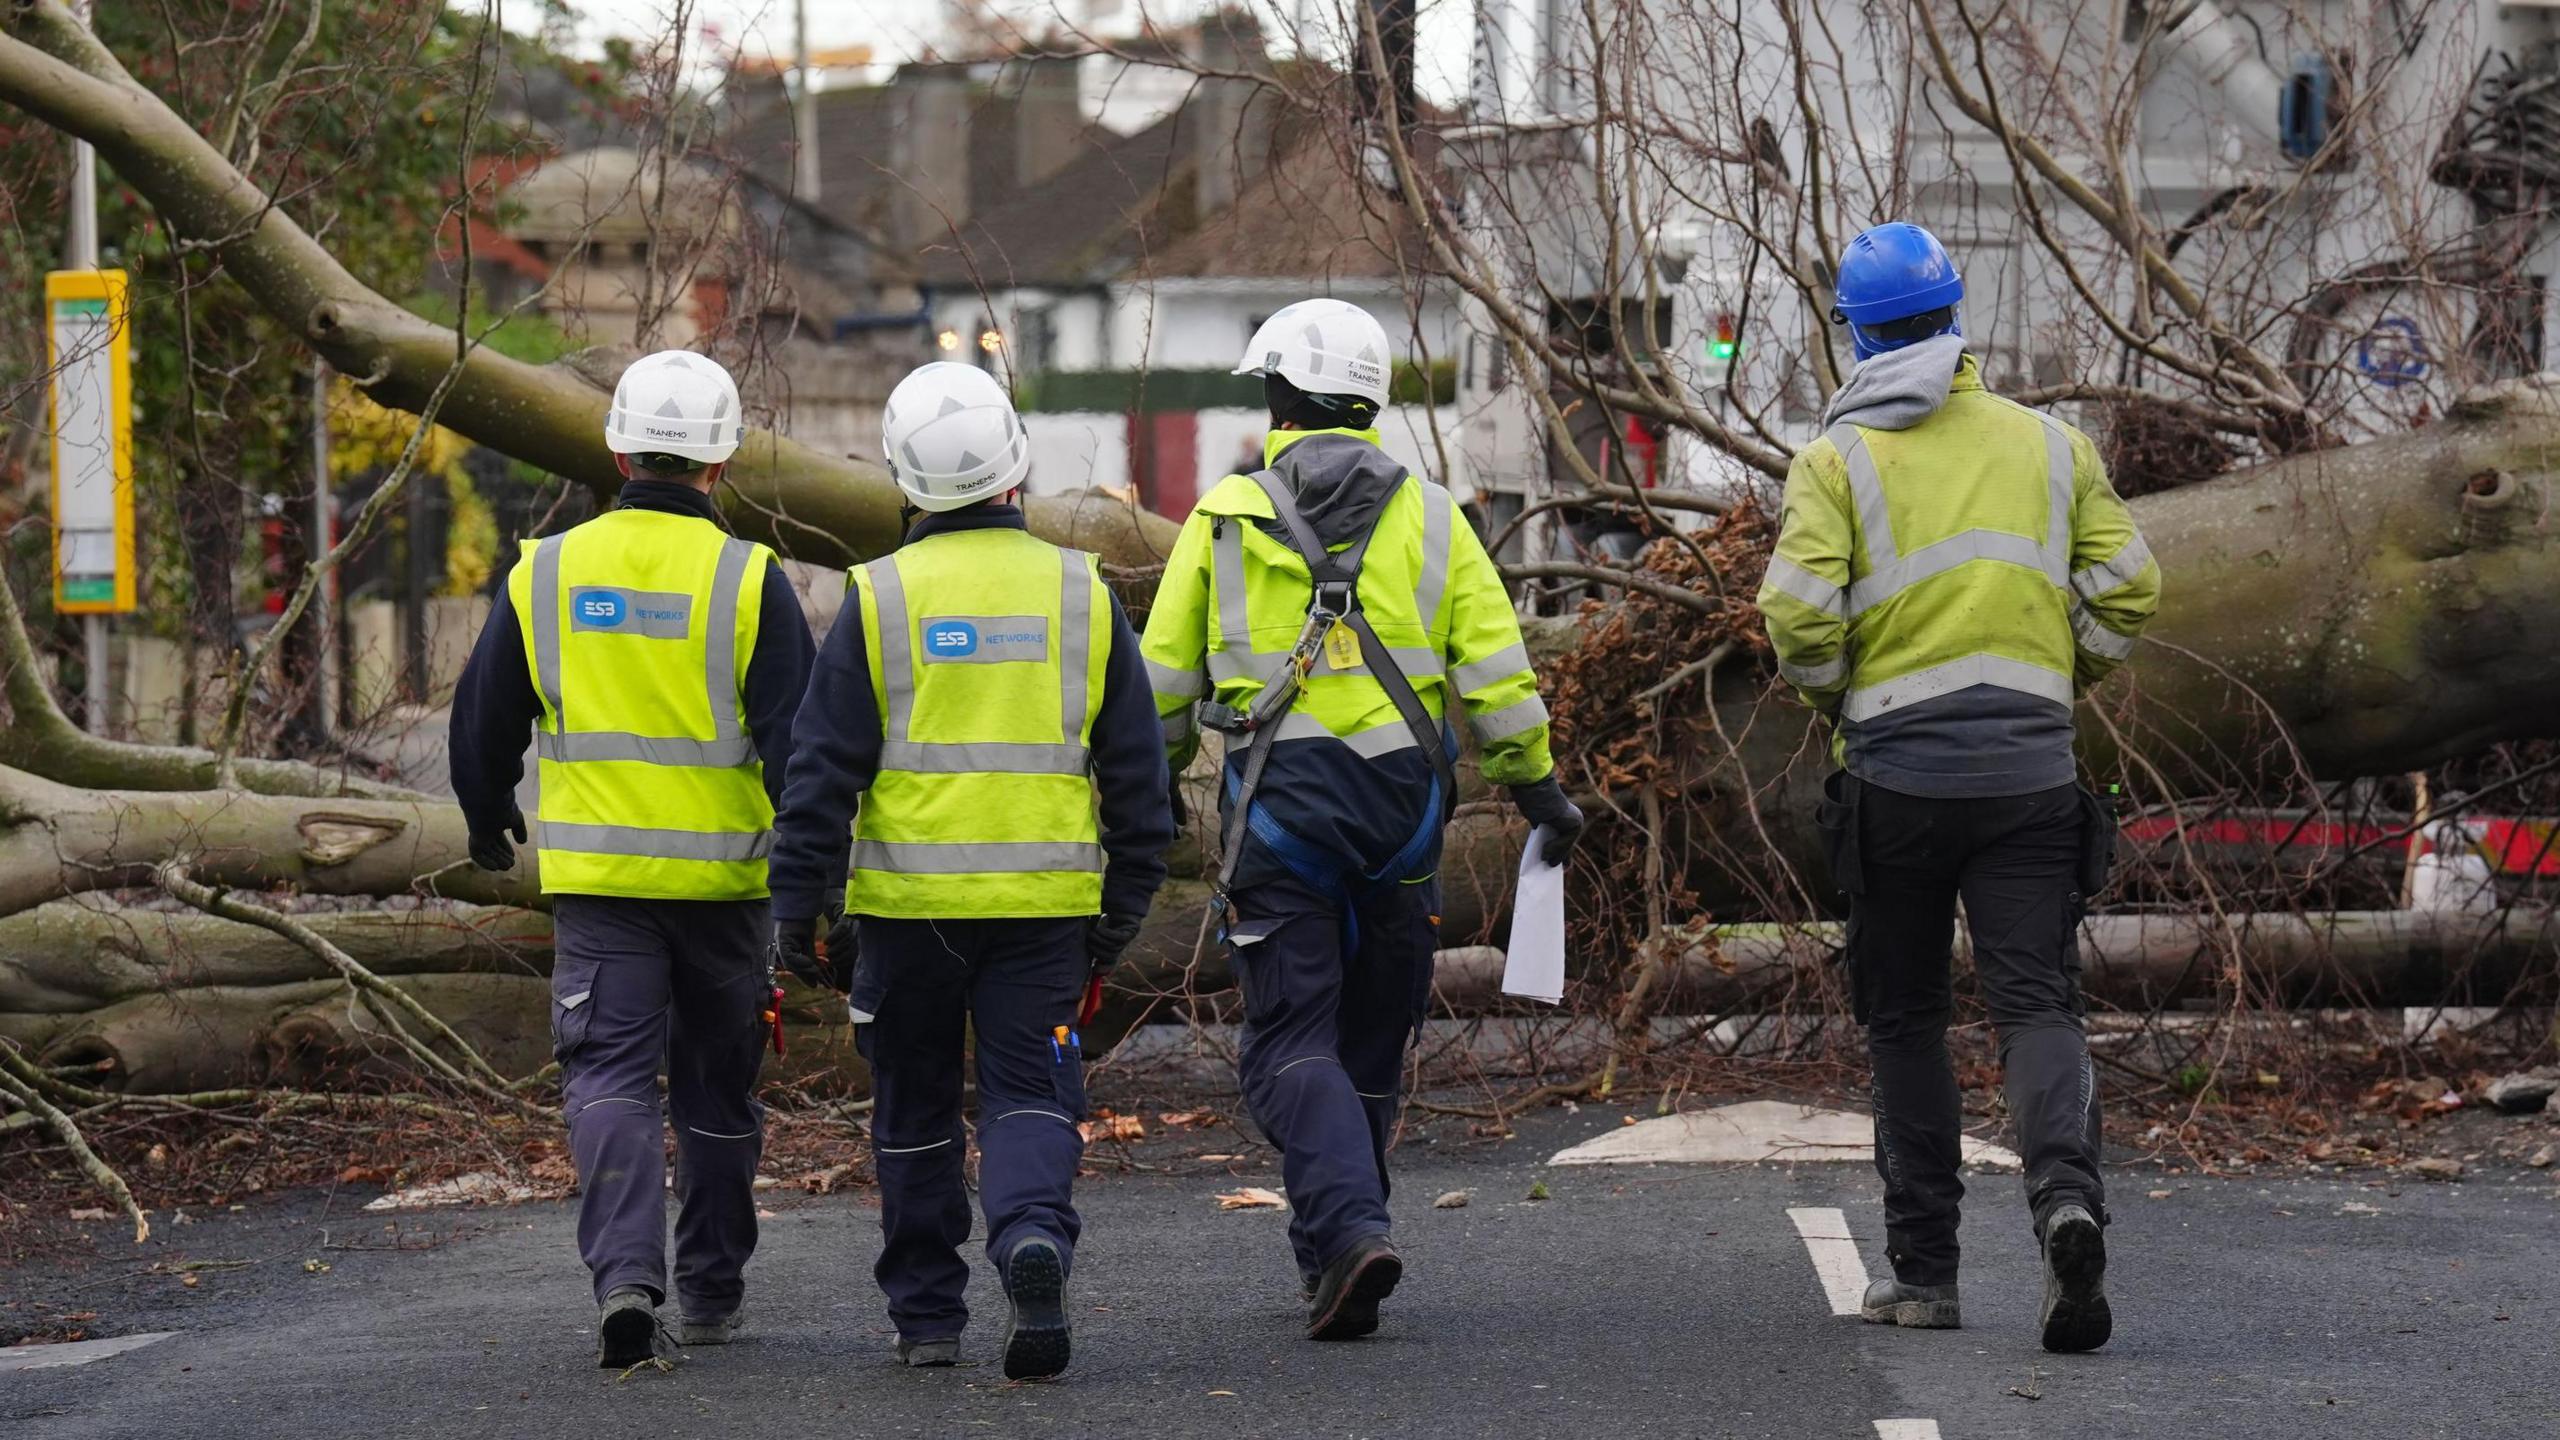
point(1726, 347)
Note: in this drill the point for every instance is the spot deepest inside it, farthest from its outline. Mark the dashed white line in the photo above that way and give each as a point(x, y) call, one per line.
point(1835, 1257)
point(1906, 1430)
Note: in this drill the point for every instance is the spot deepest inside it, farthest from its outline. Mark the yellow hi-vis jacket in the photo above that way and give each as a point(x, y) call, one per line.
point(987, 650)
point(1233, 601)
point(1983, 546)
point(638, 625)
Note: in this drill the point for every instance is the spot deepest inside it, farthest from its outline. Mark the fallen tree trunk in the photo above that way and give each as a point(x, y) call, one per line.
point(81, 954)
point(812, 506)
point(2128, 962)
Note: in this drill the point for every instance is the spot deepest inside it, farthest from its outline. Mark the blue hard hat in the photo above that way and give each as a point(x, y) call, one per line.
point(1892, 271)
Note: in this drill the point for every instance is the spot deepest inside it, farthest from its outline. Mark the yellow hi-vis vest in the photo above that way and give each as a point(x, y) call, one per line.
point(987, 650)
point(638, 625)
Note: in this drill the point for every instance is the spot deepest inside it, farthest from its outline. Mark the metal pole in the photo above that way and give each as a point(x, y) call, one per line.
point(805, 114)
point(80, 252)
point(323, 533)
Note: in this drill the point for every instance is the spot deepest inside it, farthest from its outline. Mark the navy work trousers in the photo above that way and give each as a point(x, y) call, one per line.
point(930, 984)
point(637, 984)
point(2014, 860)
point(1328, 1010)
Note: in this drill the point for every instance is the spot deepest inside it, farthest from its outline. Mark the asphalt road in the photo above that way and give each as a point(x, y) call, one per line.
point(1672, 1301)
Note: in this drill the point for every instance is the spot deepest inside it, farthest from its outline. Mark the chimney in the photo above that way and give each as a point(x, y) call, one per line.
point(929, 154)
point(1230, 120)
point(1048, 116)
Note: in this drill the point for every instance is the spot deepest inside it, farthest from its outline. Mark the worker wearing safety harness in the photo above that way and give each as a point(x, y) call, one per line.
point(1952, 571)
point(657, 661)
point(1327, 615)
point(981, 703)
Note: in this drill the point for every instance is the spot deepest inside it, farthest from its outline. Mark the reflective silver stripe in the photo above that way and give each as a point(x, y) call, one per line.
point(546, 623)
point(1178, 726)
point(1027, 1110)
point(2096, 638)
point(721, 669)
point(897, 671)
point(1180, 684)
point(1789, 578)
point(2059, 491)
point(651, 844)
point(2115, 572)
point(725, 754)
point(1510, 719)
point(1226, 552)
point(977, 857)
point(1883, 584)
point(1816, 677)
point(1417, 662)
point(1866, 490)
point(1937, 680)
point(878, 1148)
point(1501, 665)
point(1432, 581)
point(1368, 744)
point(1226, 665)
point(1075, 643)
point(983, 757)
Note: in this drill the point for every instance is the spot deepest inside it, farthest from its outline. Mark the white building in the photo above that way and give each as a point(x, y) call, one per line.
point(2291, 160)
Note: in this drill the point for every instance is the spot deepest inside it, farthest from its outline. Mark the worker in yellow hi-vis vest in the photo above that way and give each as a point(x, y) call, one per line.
point(1952, 571)
point(981, 717)
point(656, 661)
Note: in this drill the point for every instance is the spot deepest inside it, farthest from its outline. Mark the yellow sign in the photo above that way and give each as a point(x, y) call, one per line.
point(88, 353)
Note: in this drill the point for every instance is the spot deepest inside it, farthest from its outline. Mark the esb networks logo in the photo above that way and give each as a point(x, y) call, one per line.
point(602, 608)
point(950, 639)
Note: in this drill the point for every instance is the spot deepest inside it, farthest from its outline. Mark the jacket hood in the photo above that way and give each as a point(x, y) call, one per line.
point(1340, 479)
point(1899, 388)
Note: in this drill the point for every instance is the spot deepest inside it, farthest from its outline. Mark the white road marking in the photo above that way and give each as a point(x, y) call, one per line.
point(1835, 1257)
point(1755, 1132)
point(77, 1352)
point(1906, 1430)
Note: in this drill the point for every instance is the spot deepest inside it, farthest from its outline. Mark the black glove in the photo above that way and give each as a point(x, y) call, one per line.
point(489, 848)
point(795, 948)
point(1543, 803)
point(844, 946)
point(1107, 938)
point(1181, 812)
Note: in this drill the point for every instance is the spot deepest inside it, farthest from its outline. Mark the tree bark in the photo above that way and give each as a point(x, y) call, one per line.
point(812, 506)
point(2128, 962)
point(81, 954)
point(61, 840)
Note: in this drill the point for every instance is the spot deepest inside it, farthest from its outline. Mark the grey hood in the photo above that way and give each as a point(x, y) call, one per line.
point(1899, 388)
point(1340, 482)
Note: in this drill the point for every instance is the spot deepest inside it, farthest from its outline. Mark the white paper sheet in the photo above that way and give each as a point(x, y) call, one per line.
point(1533, 968)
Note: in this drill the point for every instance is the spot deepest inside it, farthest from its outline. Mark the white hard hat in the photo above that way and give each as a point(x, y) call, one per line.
point(952, 437)
point(675, 403)
point(1324, 347)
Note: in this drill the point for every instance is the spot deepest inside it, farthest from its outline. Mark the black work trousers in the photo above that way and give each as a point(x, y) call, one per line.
point(643, 985)
point(2015, 861)
point(934, 984)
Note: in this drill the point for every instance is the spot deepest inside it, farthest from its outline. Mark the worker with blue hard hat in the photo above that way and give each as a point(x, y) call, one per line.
point(1897, 285)
point(1952, 571)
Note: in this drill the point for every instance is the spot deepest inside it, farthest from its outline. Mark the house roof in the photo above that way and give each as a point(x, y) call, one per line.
point(1122, 206)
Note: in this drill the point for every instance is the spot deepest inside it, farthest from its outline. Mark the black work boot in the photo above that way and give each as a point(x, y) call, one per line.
point(2075, 1316)
point(933, 1354)
point(1345, 1305)
point(706, 1329)
point(1035, 1327)
point(626, 1328)
point(1913, 1307)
